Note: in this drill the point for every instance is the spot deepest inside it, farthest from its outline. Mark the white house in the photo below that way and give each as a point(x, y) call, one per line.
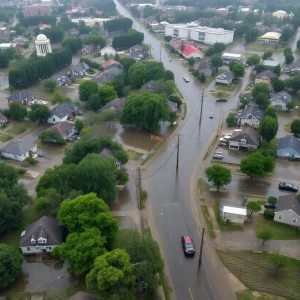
point(41, 236)
point(200, 34)
point(251, 115)
point(108, 50)
point(280, 100)
point(19, 150)
point(287, 210)
point(236, 215)
point(280, 14)
point(225, 78)
point(62, 112)
point(244, 139)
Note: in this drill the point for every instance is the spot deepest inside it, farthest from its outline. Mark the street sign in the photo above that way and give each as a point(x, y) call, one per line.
point(156, 137)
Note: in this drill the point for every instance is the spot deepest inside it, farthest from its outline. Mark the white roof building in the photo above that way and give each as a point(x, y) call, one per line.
point(270, 37)
point(280, 14)
point(233, 214)
point(42, 45)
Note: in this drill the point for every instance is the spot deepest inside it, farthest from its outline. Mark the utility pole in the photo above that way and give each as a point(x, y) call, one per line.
point(201, 105)
point(177, 161)
point(201, 249)
point(219, 127)
point(160, 52)
point(138, 195)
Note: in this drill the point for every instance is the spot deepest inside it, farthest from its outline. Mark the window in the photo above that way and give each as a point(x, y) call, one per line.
point(280, 217)
point(294, 220)
point(28, 249)
point(53, 119)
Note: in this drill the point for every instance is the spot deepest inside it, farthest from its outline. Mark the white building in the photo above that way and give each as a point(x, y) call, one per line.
point(19, 150)
point(270, 38)
point(91, 21)
point(228, 57)
point(235, 215)
point(108, 50)
point(200, 34)
point(280, 14)
point(42, 45)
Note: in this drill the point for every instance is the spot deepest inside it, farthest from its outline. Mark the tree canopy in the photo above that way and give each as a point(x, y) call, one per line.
point(268, 128)
point(120, 24)
point(86, 89)
point(295, 127)
point(145, 110)
point(39, 113)
point(107, 93)
point(16, 111)
point(73, 43)
point(128, 40)
point(218, 175)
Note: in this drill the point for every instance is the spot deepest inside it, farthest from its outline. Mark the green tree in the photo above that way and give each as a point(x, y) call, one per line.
point(268, 128)
point(290, 106)
point(127, 62)
point(86, 89)
point(264, 235)
point(260, 88)
point(279, 261)
point(262, 101)
point(289, 59)
point(230, 120)
point(253, 206)
point(107, 93)
point(96, 40)
point(88, 212)
point(137, 75)
point(81, 249)
point(191, 61)
point(16, 111)
point(120, 24)
point(94, 102)
point(73, 43)
point(218, 175)
point(79, 125)
point(294, 84)
point(278, 85)
point(238, 70)
point(57, 98)
point(271, 111)
point(277, 70)
point(295, 127)
point(286, 35)
point(50, 85)
point(259, 68)
point(216, 61)
point(122, 177)
point(175, 99)
point(51, 137)
point(253, 60)
point(251, 35)
point(4, 60)
point(10, 265)
point(145, 110)
point(268, 54)
point(168, 75)
point(202, 77)
point(108, 115)
point(255, 165)
point(39, 113)
point(287, 51)
point(298, 45)
point(111, 271)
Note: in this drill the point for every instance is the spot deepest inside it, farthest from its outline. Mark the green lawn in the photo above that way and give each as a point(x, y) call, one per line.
point(280, 231)
point(40, 92)
point(18, 127)
point(220, 94)
point(133, 155)
point(258, 47)
point(226, 88)
point(257, 272)
point(13, 238)
point(254, 295)
point(202, 185)
point(225, 227)
point(5, 137)
point(208, 221)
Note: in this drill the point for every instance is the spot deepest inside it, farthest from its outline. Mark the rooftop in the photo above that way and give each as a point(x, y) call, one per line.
point(271, 36)
point(287, 202)
point(18, 148)
point(289, 141)
point(251, 110)
point(249, 134)
point(235, 210)
point(231, 55)
point(194, 27)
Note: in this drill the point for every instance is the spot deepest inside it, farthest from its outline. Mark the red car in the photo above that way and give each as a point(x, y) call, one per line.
point(188, 245)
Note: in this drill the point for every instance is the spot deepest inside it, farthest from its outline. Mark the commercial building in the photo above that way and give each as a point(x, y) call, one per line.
point(91, 21)
point(205, 35)
point(228, 57)
point(270, 38)
point(42, 45)
point(37, 10)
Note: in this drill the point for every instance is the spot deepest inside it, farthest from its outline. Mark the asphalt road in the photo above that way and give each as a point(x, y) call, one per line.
point(170, 194)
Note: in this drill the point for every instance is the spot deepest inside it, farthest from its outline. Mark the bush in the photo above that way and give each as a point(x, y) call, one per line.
point(272, 200)
point(230, 120)
point(122, 177)
point(269, 214)
point(144, 195)
point(175, 99)
point(21, 171)
point(31, 160)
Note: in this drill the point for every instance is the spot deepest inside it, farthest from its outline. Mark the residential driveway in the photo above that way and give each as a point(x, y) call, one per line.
point(3, 99)
point(231, 156)
point(282, 121)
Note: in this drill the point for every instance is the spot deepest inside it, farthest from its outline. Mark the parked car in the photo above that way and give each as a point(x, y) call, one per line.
point(218, 156)
point(222, 144)
point(221, 100)
point(188, 245)
point(72, 138)
point(186, 79)
point(211, 115)
point(270, 205)
point(288, 187)
point(225, 138)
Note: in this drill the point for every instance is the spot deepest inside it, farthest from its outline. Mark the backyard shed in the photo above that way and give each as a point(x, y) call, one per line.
point(235, 215)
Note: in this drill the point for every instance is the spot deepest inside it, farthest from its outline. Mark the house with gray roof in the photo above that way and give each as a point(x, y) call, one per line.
point(21, 40)
point(63, 130)
point(19, 150)
point(116, 105)
point(86, 49)
point(173, 107)
point(287, 210)
point(107, 75)
point(244, 139)
point(204, 67)
point(292, 68)
point(107, 153)
point(74, 32)
point(152, 86)
point(289, 147)
point(41, 236)
point(280, 100)
point(225, 78)
point(138, 53)
point(80, 70)
point(251, 115)
point(265, 77)
point(62, 112)
point(3, 119)
point(22, 97)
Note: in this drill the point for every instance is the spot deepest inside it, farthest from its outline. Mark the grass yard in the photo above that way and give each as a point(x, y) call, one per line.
point(17, 127)
point(280, 231)
point(208, 221)
point(226, 88)
point(202, 185)
point(184, 111)
point(211, 147)
point(39, 91)
point(254, 295)
point(257, 272)
point(225, 227)
point(5, 137)
point(258, 47)
point(220, 94)
point(133, 155)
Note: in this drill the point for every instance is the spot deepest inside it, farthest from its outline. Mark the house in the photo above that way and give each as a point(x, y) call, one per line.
point(288, 147)
point(280, 100)
point(138, 53)
point(265, 77)
point(87, 49)
point(153, 86)
point(270, 64)
point(116, 104)
point(287, 210)
point(4, 35)
point(251, 115)
point(44, 26)
point(280, 14)
point(292, 68)
point(191, 51)
point(63, 129)
point(173, 108)
point(41, 236)
point(62, 112)
point(111, 63)
point(74, 32)
point(244, 139)
point(3, 120)
point(62, 80)
point(179, 44)
point(270, 38)
point(22, 97)
point(108, 50)
point(20, 40)
point(225, 78)
point(83, 296)
point(19, 150)
point(79, 70)
point(231, 214)
point(204, 67)
point(107, 75)
point(228, 57)
point(107, 153)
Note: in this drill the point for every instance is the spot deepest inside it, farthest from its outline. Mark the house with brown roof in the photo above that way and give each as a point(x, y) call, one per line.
point(244, 139)
point(111, 63)
point(41, 236)
point(22, 97)
point(265, 77)
point(64, 129)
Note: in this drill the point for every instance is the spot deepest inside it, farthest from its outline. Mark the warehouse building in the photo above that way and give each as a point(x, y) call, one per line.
point(270, 38)
point(228, 57)
point(201, 34)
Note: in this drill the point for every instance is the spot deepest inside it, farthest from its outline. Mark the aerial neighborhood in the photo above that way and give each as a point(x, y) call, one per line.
point(147, 147)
